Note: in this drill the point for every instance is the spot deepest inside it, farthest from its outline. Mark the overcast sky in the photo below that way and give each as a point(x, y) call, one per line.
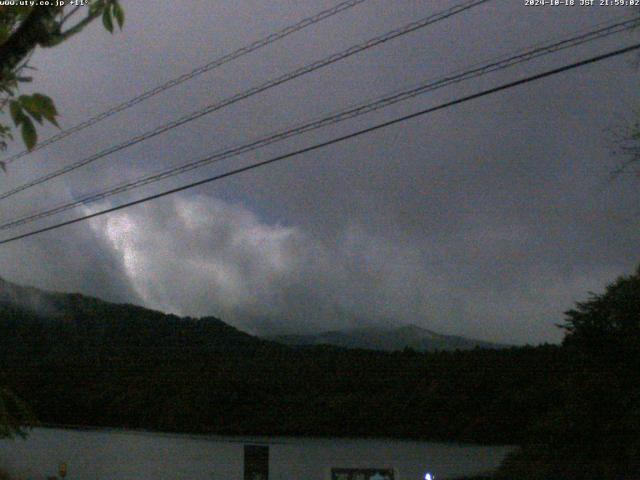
point(488, 219)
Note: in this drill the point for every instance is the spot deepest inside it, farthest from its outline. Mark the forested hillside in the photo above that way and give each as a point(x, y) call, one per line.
point(387, 338)
point(575, 408)
point(79, 360)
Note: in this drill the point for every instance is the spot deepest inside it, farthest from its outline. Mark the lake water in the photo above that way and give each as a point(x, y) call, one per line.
point(116, 454)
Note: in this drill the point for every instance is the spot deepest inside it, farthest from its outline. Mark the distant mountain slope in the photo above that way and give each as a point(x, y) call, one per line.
point(77, 360)
point(388, 339)
point(60, 322)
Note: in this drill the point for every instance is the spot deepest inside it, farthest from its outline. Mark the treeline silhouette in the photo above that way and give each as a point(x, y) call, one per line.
point(573, 408)
point(88, 362)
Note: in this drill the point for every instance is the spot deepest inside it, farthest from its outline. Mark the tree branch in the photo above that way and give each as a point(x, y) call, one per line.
point(69, 15)
point(62, 36)
point(33, 31)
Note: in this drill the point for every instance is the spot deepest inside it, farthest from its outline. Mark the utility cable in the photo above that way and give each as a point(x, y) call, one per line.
point(361, 109)
point(411, 27)
point(263, 42)
point(333, 141)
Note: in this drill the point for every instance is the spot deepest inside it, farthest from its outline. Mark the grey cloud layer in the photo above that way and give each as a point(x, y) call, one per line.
point(202, 255)
point(485, 220)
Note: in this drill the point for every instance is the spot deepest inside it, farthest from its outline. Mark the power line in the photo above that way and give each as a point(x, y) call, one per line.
point(252, 47)
point(406, 29)
point(352, 112)
point(333, 141)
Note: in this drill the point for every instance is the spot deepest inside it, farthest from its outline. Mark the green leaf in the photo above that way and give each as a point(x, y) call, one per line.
point(118, 13)
point(29, 134)
point(96, 7)
point(47, 108)
point(5, 31)
point(16, 111)
point(107, 21)
point(32, 107)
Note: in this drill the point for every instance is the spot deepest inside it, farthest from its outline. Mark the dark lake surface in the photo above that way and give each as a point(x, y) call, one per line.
point(119, 454)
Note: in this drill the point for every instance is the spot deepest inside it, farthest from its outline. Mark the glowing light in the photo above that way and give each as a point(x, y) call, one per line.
point(428, 476)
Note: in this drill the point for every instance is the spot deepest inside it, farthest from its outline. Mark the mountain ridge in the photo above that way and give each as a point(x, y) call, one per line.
point(83, 361)
point(409, 336)
point(81, 310)
point(74, 320)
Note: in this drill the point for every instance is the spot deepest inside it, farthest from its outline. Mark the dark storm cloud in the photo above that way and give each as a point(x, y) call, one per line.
point(488, 219)
point(83, 262)
point(242, 268)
